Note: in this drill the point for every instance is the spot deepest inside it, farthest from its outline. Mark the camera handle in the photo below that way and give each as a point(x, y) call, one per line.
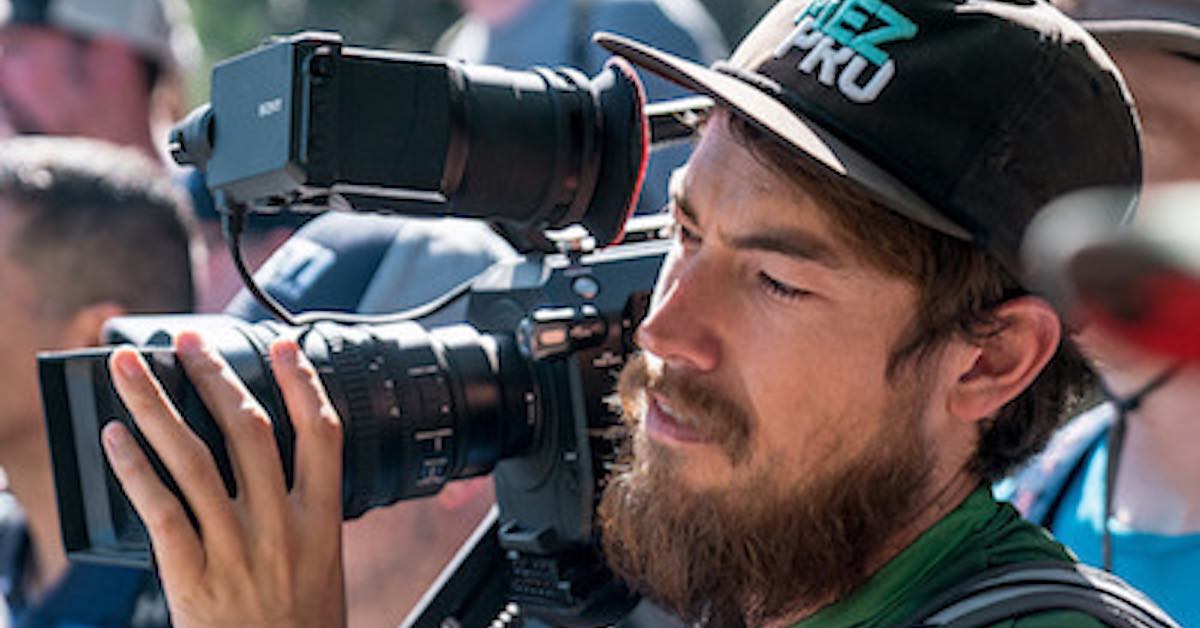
point(470, 590)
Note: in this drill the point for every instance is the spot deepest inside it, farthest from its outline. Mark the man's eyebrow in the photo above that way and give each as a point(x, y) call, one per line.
point(795, 243)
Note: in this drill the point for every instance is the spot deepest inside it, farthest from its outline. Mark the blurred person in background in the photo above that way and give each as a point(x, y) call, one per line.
point(88, 231)
point(1153, 524)
point(106, 69)
point(114, 70)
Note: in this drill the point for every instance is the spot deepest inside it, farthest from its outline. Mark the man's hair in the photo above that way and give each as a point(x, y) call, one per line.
point(98, 223)
point(959, 286)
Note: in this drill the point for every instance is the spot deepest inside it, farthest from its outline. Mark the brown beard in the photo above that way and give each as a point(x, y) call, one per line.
point(768, 547)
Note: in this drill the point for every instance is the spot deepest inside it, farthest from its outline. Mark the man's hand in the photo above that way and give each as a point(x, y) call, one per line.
point(269, 557)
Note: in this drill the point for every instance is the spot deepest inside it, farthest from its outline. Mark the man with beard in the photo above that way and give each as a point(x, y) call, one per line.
point(840, 356)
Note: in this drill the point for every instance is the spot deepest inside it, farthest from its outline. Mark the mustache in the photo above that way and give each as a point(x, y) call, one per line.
point(719, 418)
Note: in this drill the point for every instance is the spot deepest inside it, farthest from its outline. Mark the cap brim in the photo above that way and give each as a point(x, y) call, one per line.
point(1165, 35)
point(765, 111)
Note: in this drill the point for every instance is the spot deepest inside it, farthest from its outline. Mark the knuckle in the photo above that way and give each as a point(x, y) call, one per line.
point(165, 521)
point(308, 373)
point(144, 404)
point(329, 419)
point(204, 364)
point(255, 423)
point(327, 425)
point(195, 462)
point(192, 601)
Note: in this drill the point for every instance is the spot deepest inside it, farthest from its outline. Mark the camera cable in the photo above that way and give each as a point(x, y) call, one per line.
point(233, 223)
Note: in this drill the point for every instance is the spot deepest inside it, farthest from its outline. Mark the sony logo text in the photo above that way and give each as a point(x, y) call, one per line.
point(270, 107)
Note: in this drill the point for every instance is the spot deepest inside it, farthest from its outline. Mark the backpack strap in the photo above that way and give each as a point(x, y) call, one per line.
point(15, 551)
point(1013, 591)
point(1039, 488)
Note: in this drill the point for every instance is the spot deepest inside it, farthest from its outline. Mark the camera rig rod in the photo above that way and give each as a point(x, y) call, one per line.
point(469, 591)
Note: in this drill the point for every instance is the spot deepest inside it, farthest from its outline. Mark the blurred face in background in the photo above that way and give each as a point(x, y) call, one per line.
point(495, 12)
point(1166, 90)
point(43, 82)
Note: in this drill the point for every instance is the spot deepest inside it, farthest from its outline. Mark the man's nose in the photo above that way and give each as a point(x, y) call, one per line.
point(682, 326)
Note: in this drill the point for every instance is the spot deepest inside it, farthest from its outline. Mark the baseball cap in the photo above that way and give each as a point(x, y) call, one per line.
point(967, 116)
point(161, 30)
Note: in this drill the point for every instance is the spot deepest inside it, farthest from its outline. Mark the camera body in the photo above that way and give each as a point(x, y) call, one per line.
point(518, 389)
point(521, 390)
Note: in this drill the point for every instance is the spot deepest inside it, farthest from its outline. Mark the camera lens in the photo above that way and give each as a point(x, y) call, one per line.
point(420, 407)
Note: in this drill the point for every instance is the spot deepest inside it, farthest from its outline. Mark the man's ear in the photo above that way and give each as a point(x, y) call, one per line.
point(83, 330)
point(1008, 360)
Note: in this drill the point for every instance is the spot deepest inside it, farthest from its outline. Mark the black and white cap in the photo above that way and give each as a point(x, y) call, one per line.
point(967, 116)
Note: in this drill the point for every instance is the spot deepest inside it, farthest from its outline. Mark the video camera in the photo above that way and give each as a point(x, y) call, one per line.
point(519, 389)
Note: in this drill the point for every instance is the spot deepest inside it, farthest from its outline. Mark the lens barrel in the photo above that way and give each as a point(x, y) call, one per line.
point(420, 408)
point(547, 148)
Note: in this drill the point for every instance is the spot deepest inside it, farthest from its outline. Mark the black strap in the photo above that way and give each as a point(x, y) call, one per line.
point(1116, 443)
point(1112, 466)
point(1013, 591)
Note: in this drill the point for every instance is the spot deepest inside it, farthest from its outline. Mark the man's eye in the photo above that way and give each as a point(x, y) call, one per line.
point(779, 289)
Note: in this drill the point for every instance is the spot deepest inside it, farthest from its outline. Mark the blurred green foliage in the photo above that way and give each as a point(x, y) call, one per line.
point(227, 27)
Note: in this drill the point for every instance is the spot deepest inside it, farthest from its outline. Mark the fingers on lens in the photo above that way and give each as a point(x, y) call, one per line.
point(318, 428)
point(175, 543)
point(183, 453)
point(249, 433)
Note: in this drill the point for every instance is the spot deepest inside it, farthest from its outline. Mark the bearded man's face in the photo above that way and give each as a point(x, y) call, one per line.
point(774, 453)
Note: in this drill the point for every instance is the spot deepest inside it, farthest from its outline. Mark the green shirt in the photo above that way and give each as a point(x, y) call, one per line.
point(978, 535)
